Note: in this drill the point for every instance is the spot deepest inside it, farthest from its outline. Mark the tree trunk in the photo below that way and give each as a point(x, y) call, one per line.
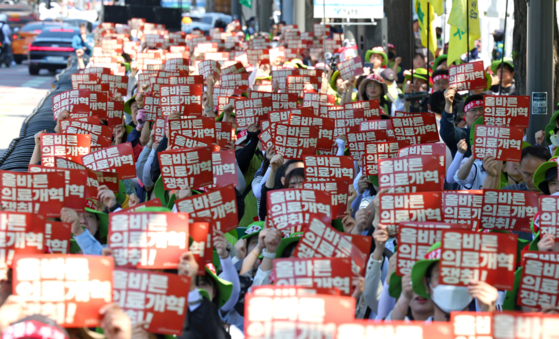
point(400, 32)
point(519, 51)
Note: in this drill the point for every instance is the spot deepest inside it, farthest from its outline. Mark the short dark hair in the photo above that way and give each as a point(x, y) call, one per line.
point(296, 173)
point(289, 163)
point(538, 152)
point(282, 23)
point(507, 66)
point(418, 54)
point(83, 24)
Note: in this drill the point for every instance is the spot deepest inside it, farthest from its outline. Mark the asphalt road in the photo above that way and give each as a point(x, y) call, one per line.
point(20, 93)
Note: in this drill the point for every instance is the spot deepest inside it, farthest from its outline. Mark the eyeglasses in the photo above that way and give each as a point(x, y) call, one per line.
point(476, 110)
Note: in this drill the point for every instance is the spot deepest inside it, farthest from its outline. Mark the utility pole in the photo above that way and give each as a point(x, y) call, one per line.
point(539, 67)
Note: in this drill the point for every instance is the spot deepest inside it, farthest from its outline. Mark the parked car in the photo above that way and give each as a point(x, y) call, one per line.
point(18, 15)
point(74, 22)
point(51, 49)
point(22, 38)
point(205, 21)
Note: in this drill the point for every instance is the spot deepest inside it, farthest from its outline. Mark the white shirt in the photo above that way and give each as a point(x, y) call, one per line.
point(7, 33)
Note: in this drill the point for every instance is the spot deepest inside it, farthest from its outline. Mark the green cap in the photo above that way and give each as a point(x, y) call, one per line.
point(224, 287)
point(295, 237)
point(121, 195)
point(127, 104)
point(438, 61)
point(551, 126)
point(333, 80)
point(253, 229)
point(420, 268)
point(539, 176)
point(376, 50)
point(495, 65)
point(395, 285)
point(420, 73)
point(103, 222)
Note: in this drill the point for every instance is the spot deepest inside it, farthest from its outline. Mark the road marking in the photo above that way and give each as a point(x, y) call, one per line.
point(35, 82)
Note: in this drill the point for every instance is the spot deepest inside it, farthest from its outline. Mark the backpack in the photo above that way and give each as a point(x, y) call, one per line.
point(497, 52)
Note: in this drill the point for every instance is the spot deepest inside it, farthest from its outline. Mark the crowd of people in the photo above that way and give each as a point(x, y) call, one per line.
point(245, 258)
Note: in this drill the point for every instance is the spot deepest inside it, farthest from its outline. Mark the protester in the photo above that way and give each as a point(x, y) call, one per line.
point(218, 186)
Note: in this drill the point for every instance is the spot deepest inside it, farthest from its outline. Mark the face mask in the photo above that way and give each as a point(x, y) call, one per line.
point(391, 55)
point(556, 193)
point(450, 298)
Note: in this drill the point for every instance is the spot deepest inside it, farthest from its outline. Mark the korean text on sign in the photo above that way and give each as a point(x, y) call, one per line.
point(119, 159)
point(152, 297)
point(295, 141)
point(294, 207)
point(147, 239)
point(413, 245)
point(487, 257)
point(181, 169)
point(463, 207)
point(220, 205)
point(69, 146)
point(539, 284)
point(338, 189)
point(549, 214)
point(33, 192)
point(511, 111)
point(420, 173)
point(502, 143)
point(375, 151)
point(249, 112)
point(468, 76)
point(185, 99)
point(20, 233)
point(314, 273)
point(68, 289)
point(508, 210)
point(351, 68)
point(326, 168)
point(399, 207)
point(418, 130)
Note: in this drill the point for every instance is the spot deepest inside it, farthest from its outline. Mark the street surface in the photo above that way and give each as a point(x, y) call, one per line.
point(20, 93)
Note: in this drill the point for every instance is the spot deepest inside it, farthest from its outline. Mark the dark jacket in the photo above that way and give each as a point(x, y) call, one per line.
point(451, 134)
point(203, 323)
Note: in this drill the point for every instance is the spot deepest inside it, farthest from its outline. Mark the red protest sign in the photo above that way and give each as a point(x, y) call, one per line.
point(155, 298)
point(68, 146)
point(21, 233)
point(199, 129)
point(224, 166)
point(117, 83)
point(208, 67)
point(511, 111)
point(540, 277)
point(327, 168)
point(294, 141)
point(502, 143)
point(152, 107)
point(419, 173)
point(300, 83)
point(338, 189)
point(323, 241)
point(376, 151)
point(224, 133)
point(159, 128)
point(153, 240)
point(351, 68)
point(90, 274)
point(315, 100)
point(280, 101)
point(508, 210)
point(326, 127)
point(356, 141)
point(119, 159)
point(549, 214)
point(150, 203)
point(186, 99)
point(463, 207)
point(370, 107)
point(254, 56)
point(75, 126)
point(402, 207)
point(346, 119)
point(182, 169)
point(235, 68)
point(288, 208)
point(282, 116)
point(201, 245)
point(84, 78)
point(271, 311)
point(114, 112)
point(437, 149)
point(314, 273)
point(238, 81)
point(75, 190)
point(33, 192)
point(57, 237)
point(109, 179)
point(414, 241)
point(249, 112)
point(487, 257)
point(186, 80)
point(374, 125)
point(71, 101)
point(219, 204)
point(419, 129)
point(467, 76)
